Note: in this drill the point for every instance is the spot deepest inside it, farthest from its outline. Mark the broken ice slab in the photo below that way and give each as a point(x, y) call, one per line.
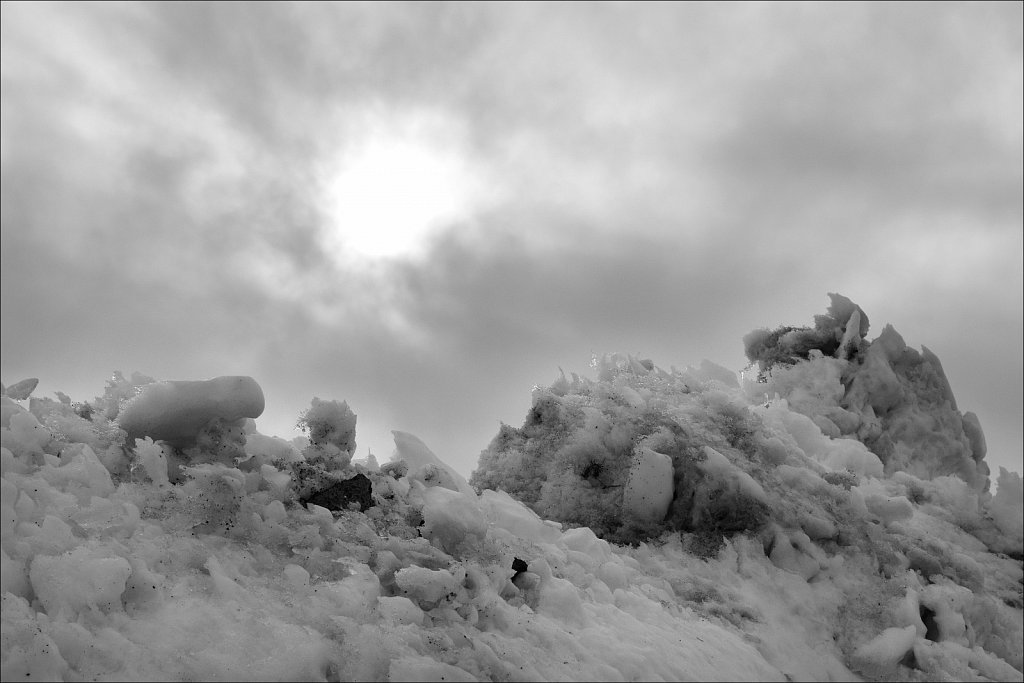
point(19, 391)
point(176, 411)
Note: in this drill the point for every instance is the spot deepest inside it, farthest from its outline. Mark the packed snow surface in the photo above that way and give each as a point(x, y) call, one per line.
point(827, 518)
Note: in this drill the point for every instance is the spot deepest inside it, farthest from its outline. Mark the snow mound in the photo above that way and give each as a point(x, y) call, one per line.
point(893, 399)
point(176, 412)
point(643, 525)
point(843, 449)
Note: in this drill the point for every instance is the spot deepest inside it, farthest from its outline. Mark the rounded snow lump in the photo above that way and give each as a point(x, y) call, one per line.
point(649, 488)
point(176, 412)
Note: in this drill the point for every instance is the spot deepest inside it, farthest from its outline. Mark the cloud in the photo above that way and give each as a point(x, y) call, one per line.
point(671, 176)
point(890, 116)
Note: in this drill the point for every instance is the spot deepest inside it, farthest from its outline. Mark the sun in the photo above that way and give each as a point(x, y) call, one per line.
point(403, 180)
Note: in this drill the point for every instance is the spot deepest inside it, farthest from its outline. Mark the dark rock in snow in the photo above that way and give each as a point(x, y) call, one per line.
point(358, 489)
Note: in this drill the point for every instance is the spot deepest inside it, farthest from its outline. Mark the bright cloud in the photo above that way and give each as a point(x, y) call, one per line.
point(403, 177)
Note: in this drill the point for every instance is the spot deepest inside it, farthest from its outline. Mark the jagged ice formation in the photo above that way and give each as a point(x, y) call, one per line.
point(826, 518)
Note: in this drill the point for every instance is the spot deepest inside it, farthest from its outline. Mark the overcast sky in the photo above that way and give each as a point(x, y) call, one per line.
point(427, 209)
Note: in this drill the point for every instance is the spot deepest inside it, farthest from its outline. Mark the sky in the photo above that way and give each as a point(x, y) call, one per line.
point(427, 209)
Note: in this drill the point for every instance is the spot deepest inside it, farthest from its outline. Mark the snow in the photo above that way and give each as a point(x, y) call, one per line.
point(425, 466)
point(175, 412)
point(78, 581)
point(153, 458)
point(649, 486)
point(1006, 506)
point(646, 525)
point(881, 655)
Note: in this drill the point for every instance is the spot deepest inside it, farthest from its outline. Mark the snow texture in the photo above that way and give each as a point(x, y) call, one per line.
point(643, 525)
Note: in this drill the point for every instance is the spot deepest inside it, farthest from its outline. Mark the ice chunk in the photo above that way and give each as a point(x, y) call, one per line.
point(400, 610)
point(843, 313)
point(948, 602)
point(794, 552)
point(582, 539)
point(223, 583)
point(153, 459)
point(851, 455)
point(774, 450)
point(889, 508)
point(275, 512)
point(945, 391)
point(649, 486)
point(275, 478)
point(76, 581)
point(425, 586)
point(876, 383)
point(712, 371)
point(142, 590)
point(908, 612)
point(953, 661)
point(801, 478)
point(507, 513)
point(852, 336)
point(83, 468)
point(417, 456)
point(838, 454)
point(630, 396)
point(613, 574)
point(25, 436)
point(330, 422)
point(558, 597)
point(817, 527)
point(295, 575)
point(807, 435)
point(8, 408)
point(827, 426)
point(13, 578)
point(176, 411)
point(40, 661)
point(267, 449)
point(719, 467)
point(975, 435)
point(19, 391)
point(451, 518)
point(1007, 507)
point(880, 657)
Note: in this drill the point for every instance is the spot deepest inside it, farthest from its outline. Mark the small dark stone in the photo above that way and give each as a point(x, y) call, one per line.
point(518, 566)
point(358, 489)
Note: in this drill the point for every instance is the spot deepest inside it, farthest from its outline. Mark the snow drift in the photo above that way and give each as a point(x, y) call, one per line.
point(827, 519)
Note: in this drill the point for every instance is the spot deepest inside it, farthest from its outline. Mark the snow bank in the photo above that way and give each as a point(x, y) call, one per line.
point(844, 450)
point(226, 575)
point(646, 525)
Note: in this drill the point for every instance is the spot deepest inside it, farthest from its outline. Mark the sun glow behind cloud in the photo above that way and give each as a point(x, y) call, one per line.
point(406, 179)
point(632, 151)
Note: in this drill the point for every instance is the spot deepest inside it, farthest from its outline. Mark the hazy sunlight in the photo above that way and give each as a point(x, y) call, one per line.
point(402, 183)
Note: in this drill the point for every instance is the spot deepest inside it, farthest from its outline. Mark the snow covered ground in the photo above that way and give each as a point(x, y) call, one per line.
point(825, 517)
